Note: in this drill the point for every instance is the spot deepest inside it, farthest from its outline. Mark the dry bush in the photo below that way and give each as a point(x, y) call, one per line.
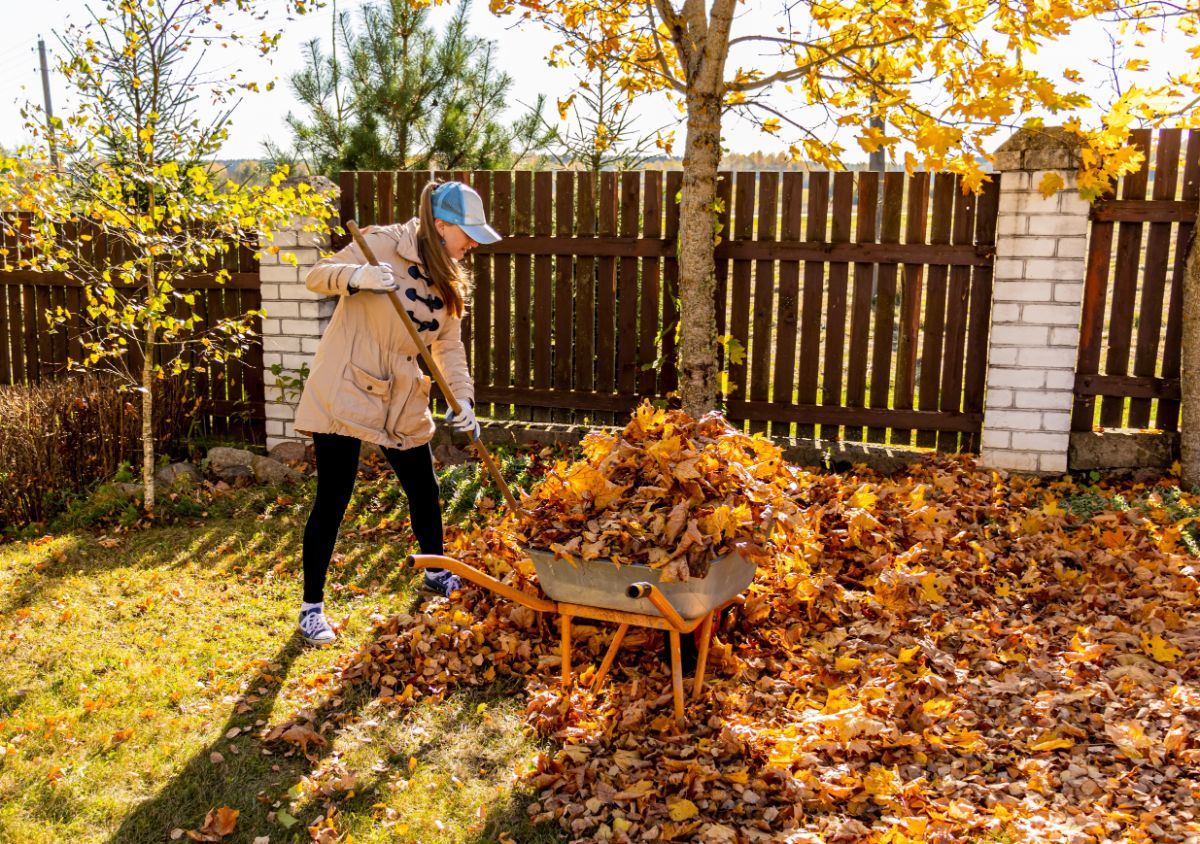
point(62, 436)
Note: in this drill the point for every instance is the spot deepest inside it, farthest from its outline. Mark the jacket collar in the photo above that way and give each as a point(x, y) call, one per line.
point(405, 237)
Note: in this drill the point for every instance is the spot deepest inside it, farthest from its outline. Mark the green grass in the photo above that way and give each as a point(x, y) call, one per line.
point(131, 657)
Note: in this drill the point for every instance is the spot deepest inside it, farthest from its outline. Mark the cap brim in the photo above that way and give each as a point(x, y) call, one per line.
point(482, 235)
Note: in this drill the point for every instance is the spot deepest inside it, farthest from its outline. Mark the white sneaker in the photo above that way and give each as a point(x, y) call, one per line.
point(315, 628)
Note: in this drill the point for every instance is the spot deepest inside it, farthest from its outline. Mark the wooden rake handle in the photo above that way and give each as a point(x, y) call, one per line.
point(434, 370)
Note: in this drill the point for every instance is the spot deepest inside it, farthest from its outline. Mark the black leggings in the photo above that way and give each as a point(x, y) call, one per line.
point(337, 467)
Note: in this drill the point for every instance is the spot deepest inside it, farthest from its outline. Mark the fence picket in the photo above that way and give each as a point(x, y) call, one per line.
point(627, 290)
point(739, 309)
point(649, 320)
point(860, 316)
point(564, 300)
point(835, 319)
point(957, 300)
point(585, 288)
point(814, 288)
point(606, 294)
point(764, 290)
point(885, 302)
point(543, 281)
point(787, 313)
point(911, 296)
point(932, 332)
point(522, 294)
point(668, 379)
point(501, 220)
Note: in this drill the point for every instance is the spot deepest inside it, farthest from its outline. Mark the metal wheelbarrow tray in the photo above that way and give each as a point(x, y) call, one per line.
point(603, 583)
point(625, 595)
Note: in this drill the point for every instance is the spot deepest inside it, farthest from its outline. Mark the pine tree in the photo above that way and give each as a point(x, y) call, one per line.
point(401, 97)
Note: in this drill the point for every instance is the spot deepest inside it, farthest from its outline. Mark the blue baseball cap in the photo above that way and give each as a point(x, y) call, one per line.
point(459, 204)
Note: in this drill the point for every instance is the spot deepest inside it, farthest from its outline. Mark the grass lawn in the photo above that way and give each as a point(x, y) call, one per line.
point(140, 667)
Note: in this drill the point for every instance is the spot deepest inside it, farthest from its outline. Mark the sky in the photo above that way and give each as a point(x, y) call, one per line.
point(521, 52)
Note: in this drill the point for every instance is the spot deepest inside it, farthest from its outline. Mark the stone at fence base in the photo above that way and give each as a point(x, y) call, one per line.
point(177, 474)
point(1118, 448)
point(230, 464)
point(289, 452)
point(840, 456)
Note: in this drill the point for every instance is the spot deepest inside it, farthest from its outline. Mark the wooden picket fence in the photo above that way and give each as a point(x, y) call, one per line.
point(231, 394)
point(858, 303)
point(1131, 313)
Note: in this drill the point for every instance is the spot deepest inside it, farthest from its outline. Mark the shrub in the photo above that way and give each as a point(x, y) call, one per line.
point(60, 437)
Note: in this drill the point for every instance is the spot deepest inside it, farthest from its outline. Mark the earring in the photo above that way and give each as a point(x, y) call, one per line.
point(443, 240)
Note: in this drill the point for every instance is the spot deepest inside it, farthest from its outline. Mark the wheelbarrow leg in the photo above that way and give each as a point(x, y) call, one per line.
point(677, 677)
point(702, 659)
point(566, 651)
point(618, 637)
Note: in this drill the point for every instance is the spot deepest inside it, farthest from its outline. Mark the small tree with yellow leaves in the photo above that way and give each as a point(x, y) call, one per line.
point(134, 208)
point(935, 79)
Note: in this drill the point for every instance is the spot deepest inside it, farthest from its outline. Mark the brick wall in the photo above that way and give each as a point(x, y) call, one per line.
point(1041, 246)
point(295, 321)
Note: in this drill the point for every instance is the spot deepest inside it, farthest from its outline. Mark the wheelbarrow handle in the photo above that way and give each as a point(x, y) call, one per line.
point(466, 572)
point(664, 606)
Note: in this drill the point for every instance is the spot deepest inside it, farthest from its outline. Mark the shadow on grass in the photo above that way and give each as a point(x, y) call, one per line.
point(203, 784)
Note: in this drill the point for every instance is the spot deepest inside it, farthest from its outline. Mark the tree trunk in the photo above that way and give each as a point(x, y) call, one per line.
point(1189, 376)
point(697, 281)
point(148, 394)
point(148, 423)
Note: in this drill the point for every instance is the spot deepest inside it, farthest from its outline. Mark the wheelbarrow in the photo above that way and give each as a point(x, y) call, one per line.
point(627, 595)
point(599, 590)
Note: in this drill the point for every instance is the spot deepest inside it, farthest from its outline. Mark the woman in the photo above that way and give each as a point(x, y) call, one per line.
point(365, 383)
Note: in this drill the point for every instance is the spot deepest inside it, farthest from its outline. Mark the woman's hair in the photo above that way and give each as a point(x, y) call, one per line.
point(452, 279)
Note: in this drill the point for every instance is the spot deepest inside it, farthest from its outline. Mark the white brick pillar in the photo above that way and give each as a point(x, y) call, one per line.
point(1041, 248)
point(296, 318)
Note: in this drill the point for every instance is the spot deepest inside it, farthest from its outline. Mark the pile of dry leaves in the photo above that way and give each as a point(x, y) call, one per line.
point(944, 655)
point(667, 492)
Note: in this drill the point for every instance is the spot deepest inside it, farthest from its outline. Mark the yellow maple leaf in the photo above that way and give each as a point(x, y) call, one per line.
point(881, 782)
point(1159, 649)
point(929, 588)
point(938, 706)
point(1050, 184)
point(681, 810)
point(863, 499)
point(1051, 741)
point(846, 663)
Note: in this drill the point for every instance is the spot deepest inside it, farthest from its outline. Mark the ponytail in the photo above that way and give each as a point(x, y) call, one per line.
point(451, 278)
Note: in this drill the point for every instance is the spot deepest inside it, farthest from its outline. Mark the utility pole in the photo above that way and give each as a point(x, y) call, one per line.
point(49, 107)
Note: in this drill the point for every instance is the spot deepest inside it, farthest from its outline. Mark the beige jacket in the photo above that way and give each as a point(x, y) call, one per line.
point(365, 381)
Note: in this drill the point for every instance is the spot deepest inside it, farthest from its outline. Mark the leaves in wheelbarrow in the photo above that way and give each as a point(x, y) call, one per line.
point(667, 492)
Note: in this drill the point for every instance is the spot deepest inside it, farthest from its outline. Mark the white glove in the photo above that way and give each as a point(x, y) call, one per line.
point(464, 421)
point(375, 278)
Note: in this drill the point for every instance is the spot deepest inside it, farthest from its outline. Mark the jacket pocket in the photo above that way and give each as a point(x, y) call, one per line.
point(363, 399)
point(412, 417)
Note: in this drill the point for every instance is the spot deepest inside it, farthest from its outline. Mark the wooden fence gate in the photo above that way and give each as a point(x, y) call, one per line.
point(857, 303)
point(1129, 273)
